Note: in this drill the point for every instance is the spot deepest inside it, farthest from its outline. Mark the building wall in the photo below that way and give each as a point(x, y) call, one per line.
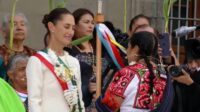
point(113, 11)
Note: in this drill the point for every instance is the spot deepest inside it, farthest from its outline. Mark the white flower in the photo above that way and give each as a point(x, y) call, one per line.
point(71, 96)
point(59, 68)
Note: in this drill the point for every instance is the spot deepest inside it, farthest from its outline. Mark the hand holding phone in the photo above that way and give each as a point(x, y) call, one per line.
point(164, 44)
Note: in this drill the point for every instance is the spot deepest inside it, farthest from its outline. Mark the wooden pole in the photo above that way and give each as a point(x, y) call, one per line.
point(99, 19)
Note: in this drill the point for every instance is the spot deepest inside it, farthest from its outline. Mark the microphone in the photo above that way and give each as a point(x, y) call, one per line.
point(184, 30)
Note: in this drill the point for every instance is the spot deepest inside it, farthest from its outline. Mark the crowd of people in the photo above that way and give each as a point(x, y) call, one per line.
point(62, 77)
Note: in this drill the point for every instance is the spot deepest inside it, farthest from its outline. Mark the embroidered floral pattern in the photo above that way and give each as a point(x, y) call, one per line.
point(117, 88)
point(110, 101)
point(121, 81)
point(143, 99)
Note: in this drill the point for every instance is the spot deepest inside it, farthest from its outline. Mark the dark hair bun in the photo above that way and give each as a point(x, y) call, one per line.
point(45, 19)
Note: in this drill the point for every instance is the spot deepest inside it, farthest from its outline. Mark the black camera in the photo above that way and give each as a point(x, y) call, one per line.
point(175, 71)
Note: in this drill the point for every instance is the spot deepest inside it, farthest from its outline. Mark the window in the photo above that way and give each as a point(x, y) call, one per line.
point(184, 13)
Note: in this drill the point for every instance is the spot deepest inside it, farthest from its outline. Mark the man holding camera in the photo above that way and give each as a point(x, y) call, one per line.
point(187, 83)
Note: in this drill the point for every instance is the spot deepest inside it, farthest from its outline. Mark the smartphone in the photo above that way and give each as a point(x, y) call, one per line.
point(164, 44)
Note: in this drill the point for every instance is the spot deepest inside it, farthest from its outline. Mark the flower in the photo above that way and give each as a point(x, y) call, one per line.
point(144, 88)
point(143, 101)
point(71, 94)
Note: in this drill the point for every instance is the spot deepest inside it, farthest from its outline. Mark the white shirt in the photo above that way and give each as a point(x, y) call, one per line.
point(23, 96)
point(130, 93)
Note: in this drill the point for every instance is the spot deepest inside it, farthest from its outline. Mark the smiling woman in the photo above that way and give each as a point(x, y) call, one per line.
point(84, 26)
point(16, 73)
point(53, 75)
point(86, 54)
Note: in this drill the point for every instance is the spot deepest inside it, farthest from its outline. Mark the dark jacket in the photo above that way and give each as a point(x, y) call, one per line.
point(187, 98)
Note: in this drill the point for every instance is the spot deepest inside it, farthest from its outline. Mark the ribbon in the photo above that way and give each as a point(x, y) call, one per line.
point(110, 44)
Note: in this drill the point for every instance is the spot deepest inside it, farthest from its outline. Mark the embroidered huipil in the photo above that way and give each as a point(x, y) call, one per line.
point(132, 84)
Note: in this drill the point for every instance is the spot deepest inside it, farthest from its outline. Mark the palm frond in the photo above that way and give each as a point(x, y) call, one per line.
point(57, 4)
point(12, 24)
point(167, 4)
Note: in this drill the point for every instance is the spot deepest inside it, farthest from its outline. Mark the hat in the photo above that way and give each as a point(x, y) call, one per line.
point(192, 49)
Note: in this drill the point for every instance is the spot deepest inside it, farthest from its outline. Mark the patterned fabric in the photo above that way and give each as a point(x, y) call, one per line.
point(89, 59)
point(6, 53)
point(121, 81)
point(118, 86)
point(143, 100)
point(86, 57)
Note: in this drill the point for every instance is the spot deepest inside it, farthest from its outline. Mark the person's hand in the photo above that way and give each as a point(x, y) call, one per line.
point(92, 87)
point(159, 50)
point(174, 57)
point(184, 79)
point(94, 69)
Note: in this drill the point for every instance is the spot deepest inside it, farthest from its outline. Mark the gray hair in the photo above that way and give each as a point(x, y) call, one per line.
point(6, 20)
point(15, 59)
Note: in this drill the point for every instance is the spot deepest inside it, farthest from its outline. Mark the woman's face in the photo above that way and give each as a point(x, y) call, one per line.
point(138, 22)
point(85, 26)
point(63, 30)
point(18, 74)
point(20, 28)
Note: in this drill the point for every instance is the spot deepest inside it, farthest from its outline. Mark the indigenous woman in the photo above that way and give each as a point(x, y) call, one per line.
point(53, 76)
point(138, 87)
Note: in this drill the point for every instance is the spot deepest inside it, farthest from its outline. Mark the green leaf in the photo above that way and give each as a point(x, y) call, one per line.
point(60, 5)
point(165, 8)
point(173, 1)
point(81, 40)
point(51, 5)
point(167, 4)
point(57, 4)
point(12, 24)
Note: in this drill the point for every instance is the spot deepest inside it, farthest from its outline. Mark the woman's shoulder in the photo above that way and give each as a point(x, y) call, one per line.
point(133, 68)
point(34, 61)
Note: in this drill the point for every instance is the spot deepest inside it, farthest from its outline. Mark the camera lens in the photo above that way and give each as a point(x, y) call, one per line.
point(175, 71)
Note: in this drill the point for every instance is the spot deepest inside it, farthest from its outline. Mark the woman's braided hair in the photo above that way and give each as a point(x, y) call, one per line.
point(147, 43)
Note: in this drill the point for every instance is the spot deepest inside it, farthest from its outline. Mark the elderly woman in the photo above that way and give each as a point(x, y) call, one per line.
point(20, 34)
point(16, 72)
